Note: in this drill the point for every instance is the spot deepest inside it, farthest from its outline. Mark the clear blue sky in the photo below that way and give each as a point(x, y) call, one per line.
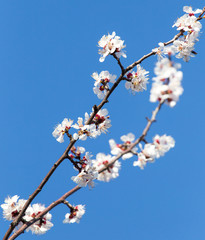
point(48, 50)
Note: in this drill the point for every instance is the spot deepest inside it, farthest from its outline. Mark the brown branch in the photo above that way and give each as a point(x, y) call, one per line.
point(130, 67)
point(201, 15)
point(75, 189)
point(119, 62)
point(39, 188)
point(75, 164)
point(39, 216)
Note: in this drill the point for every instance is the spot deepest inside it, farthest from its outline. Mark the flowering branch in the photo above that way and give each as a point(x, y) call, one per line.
point(166, 89)
point(75, 189)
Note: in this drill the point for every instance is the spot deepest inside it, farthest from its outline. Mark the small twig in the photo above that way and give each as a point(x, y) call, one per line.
point(69, 135)
point(126, 79)
point(75, 164)
point(153, 53)
point(69, 205)
point(201, 15)
point(134, 153)
point(119, 62)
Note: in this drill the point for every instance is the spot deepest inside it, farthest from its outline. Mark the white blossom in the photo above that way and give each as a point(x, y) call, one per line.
point(86, 176)
point(163, 50)
point(185, 47)
point(101, 84)
point(12, 207)
point(103, 76)
point(101, 121)
point(137, 80)
point(141, 162)
point(61, 129)
point(146, 155)
point(75, 215)
point(163, 144)
point(120, 148)
point(84, 129)
point(111, 172)
point(160, 145)
point(99, 124)
point(111, 44)
point(188, 23)
point(149, 151)
point(41, 226)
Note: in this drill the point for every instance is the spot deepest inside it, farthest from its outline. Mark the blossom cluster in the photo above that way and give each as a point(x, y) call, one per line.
point(187, 23)
point(110, 170)
point(111, 44)
point(76, 213)
point(13, 206)
point(190, 27)
point(167, 83)
point(99, 124)
point(87, 172)
point(160, 145)
point(117, 149)
point(137, 81)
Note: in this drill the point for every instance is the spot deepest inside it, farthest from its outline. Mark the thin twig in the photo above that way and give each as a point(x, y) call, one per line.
point(119, 62)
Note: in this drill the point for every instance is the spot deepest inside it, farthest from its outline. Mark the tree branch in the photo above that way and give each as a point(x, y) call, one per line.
point(75, 189)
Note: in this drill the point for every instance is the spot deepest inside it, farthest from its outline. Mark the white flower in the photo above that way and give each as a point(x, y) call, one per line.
point(111, 172)
point(141, 162)
point(75, 215)
point(86, 176)
point(120, 148)
point(12, 207)
point(42, 225)
point(160, 145)
point(188, 23)
point(163, 144)
point(101, 122)
point(138, 80)
point(149, 151)
point(163, 50)
point(101, 84)
point(104, 76)
point(147, 154)
point(184, 49)
point(111, 44)
point(84, 130)
point(61, 129)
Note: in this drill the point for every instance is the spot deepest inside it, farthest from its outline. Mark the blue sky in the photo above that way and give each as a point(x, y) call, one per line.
point(48, 51)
